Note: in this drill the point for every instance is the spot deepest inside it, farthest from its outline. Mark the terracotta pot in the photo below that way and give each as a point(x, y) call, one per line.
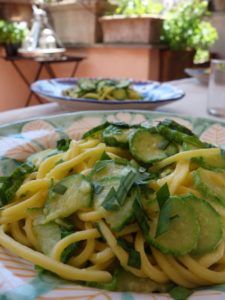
point(76, 22)
point(133, 29)
point(16, 10)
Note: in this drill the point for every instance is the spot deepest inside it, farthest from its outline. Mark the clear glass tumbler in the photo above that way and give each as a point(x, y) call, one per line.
point(216, 89)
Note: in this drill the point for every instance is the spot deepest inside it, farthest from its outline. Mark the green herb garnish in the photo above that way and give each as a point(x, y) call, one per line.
point(141, 217)
point(115, 199)
point(180, 293)
point(134, 259)
point(63, 144)
point(10, 184)
point(59, 188)
point(71, 249)
point(163, 194)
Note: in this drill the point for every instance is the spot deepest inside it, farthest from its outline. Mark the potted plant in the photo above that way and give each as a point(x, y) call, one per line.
point(188, 36)
point(76, 21)
point(134, 21)
point(11, 36)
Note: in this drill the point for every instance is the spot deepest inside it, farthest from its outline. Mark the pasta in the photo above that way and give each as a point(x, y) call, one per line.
point(101, 205)
point(103, 89)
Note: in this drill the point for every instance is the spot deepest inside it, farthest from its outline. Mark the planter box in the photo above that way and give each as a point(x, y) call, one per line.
point(76, 22)
point(132, 29)
point(16, 10)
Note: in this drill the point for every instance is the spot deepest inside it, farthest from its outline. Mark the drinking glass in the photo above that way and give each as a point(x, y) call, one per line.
point(216, 89)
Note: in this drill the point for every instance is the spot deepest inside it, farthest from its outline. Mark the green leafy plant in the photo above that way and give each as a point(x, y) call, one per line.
point(185, 28)
point(138, 7)
point(11, 32)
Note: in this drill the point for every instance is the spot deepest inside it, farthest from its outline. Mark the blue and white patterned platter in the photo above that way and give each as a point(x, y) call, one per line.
point(154, 94)
point(18, 278)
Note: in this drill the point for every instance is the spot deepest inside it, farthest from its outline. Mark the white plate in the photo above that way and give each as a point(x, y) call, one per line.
point(42, 52)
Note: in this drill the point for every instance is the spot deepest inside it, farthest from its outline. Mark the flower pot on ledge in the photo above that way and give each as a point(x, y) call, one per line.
point(11, 49)
point(76, 22)
point(144, 29)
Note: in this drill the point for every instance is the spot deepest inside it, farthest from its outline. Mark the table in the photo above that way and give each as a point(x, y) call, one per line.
point(193, 104)
point(43, 62)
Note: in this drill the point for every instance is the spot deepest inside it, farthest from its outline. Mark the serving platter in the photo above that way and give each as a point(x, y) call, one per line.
point(154, 94)
point(18, 278)
point(45, 53)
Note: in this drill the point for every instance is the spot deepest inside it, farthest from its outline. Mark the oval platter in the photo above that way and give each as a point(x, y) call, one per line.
point(18, 278)
point(154, 94)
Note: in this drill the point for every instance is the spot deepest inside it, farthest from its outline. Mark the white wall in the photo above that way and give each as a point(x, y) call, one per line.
point(218, 20)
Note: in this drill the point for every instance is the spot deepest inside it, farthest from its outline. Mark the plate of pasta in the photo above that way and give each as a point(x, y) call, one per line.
point(112, 205)
point(104, 93)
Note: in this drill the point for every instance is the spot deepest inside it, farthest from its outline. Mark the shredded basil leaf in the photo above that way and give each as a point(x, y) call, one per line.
point(10, 184)
point(125, 244)
point(125, 186)
point(59, 188)
point(59, 162)
point(134, 259)
point(68, 251)
point(63, 144)
point(105, 156)
point(141, 217)
point(110, 286)
point(39, 269)
point(180, 293)
point(111, 202)
point(163, 194)
point(164, 219)
point(143, 178)
point(115, 199)
point(98, 188)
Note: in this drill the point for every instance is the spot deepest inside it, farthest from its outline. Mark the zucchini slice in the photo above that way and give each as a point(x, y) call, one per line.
point(105, 168)
point(95, 132)
point(119, 94)
point(69, 195)
point(211, 227)
point(214, 162)
point(102, 188)
point(117, 220)
point(183, 227)
point(147, 147)
point(211, 184)
point(39, 157)
point(117, 136)
point(47, 236)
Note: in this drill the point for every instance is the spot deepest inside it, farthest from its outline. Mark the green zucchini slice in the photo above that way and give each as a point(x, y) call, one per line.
point(117, 220)
point(211, 184)
point(183, 231)
point(117, 136)
point(47, 236)
point(211, 227)
point(147, 147)
point(69, 195)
